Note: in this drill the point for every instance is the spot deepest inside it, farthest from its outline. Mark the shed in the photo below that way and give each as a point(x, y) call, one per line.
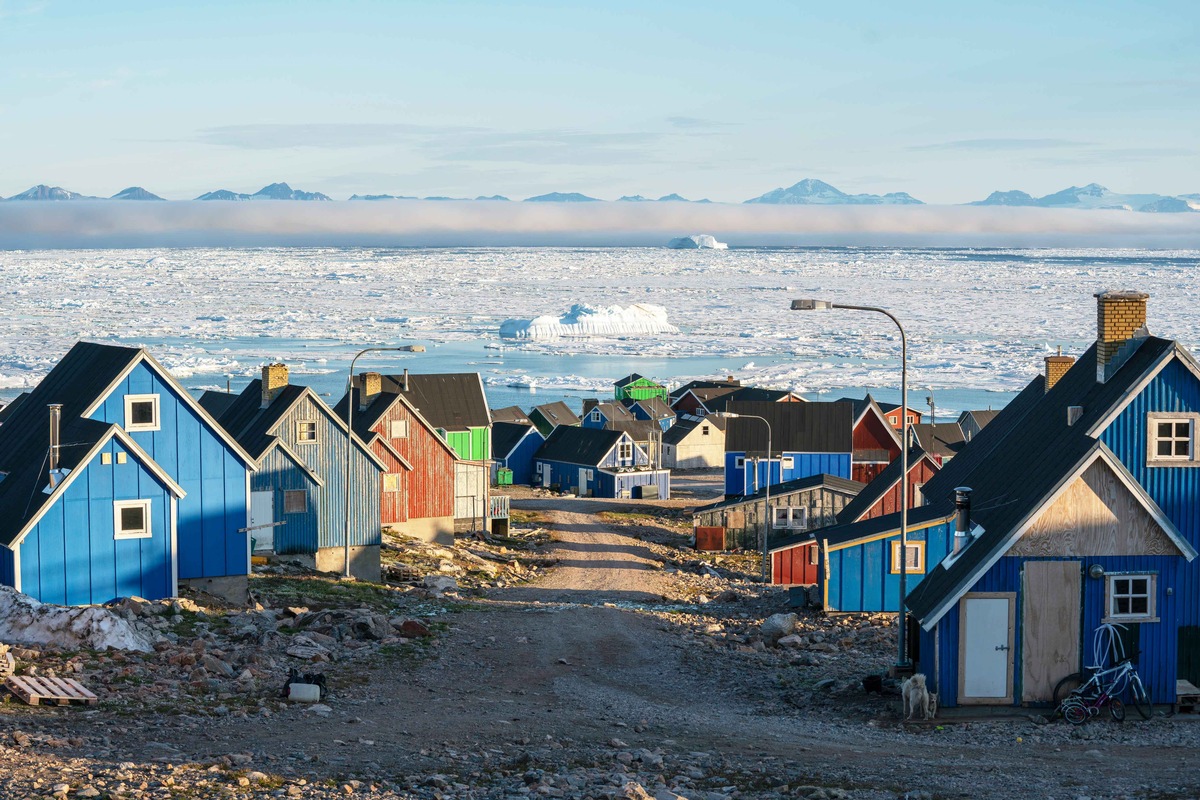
point(695, 444)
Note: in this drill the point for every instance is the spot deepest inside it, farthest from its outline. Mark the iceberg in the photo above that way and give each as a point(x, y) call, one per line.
point(639, 319)
point(697, 241)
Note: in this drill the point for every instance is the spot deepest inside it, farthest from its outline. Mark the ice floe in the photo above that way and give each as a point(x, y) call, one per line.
point(639, 319)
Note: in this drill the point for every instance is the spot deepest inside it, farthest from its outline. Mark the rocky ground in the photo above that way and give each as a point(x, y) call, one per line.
point(588, 654)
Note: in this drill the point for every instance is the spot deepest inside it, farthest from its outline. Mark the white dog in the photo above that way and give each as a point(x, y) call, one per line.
point(916, 697)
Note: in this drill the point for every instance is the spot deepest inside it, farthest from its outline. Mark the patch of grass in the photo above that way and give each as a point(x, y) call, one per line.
point(321, 592)
point(520, 516)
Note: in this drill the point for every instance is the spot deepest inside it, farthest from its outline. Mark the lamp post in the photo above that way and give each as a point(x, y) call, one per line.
point(766, 567)
point(810, 304)
point(350, 439)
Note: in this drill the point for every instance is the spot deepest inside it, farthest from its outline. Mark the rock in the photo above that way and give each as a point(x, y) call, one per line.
point(791, 640)
point(635, 791)
point(412, 628)
point(824, 685)
point(439, 584)
point(776, 626)
point(216, 666)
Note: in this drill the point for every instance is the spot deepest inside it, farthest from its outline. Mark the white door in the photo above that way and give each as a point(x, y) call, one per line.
point(262, 513)
point(985, 644)
point(583, 482)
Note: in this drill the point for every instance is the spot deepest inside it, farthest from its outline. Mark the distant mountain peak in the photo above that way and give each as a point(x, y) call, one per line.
point(281, 191)
point(632, 198)
point(673, 198)
point(44, 192)
point(811, 191)
point(135, 193)
point(562, 197)
point(1091, 196)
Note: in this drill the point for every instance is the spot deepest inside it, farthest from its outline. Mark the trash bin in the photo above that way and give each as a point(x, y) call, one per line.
point(504, 477)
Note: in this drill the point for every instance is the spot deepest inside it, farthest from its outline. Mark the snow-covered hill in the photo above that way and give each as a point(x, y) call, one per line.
point(811, 191)
point(44, 192)
point(562, 197)
point(1093, 196)
point(135, 193)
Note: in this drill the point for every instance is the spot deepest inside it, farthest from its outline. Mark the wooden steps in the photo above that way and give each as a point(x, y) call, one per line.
point(1187, 696)
point(42, 691)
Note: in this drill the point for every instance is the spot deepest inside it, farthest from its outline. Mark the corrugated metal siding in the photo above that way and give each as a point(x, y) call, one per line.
point(327, 458)
point(277, 473)
point(431, 484)
point(470, 489)
point(520, 460)
point(743, 480)
point(794, 566)
point(188, 450)
point(1157, 640)
point(889, 503)
point(622, 484)
point(873, 434)
point(393, 507)
point(860, 577)
point(71, 556)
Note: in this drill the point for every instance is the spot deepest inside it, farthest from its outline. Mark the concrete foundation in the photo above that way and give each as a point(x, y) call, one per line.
point(364, 561)
point(232, 588)
point(427, 529)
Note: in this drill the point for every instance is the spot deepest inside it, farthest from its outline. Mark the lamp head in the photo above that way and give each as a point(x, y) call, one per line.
point(811, 304)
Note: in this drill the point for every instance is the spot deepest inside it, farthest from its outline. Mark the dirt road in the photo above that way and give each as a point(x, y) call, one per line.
point(570, 676)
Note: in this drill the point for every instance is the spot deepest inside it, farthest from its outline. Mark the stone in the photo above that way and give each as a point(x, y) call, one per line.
point(791, 640)
point(216, 666)
point(776, 626)
point(439, 584)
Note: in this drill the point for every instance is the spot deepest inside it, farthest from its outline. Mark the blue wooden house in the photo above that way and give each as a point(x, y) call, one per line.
point(513, 447)
point(598, 463)
point(652, 408)
point(298, 495)
point(806, 439)
point(135, 490)
point(1082, 509)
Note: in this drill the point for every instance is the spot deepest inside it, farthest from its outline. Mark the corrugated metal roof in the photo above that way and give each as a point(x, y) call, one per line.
point(943, 439)
point(680, 391)
point(506, 436)
point(746, 394)
point(883, 483)
point(509, 414)
point(453, 401)
point(795, 428)
point(788, 487)
point(571, 445)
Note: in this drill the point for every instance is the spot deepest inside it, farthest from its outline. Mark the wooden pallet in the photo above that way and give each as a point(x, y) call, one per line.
point(8, 664)
point(1187, 696)
point(50, 691)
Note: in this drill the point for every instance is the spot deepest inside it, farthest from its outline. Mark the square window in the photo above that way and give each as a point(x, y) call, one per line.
point(1131, 597)
point(391, 482)
point(131, 519)
point(625, 451)
point(739, 462)
point(788, 463)
point(1171, 437)
point(141, 412)
point(295, 501)
point(398, 429)
point(915, 561)
point(306, 431)
point(704, 430)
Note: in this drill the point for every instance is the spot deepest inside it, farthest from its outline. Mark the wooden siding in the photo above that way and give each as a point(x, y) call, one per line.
point(470, 490)
point(641, 389)
point(743, 522)
point(872, 433)
point(278, 473)
point(393, 507)
point(740, 480)
point(697, 451)
point(327, 458)
point(889, 503)
point(1158, 641)
point(795, 566)
point(71, 556)
point(198, 459)
point(473, 444)
point(1096, 515)
point(520, 460)
point(859, 577)
point(430, 490)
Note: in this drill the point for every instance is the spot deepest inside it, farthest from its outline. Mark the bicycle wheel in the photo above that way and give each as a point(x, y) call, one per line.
point(1117, 709)
point(1063, 688)
point(1140, 697)
point(1075, 712)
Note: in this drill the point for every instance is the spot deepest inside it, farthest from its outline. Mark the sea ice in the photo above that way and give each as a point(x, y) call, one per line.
point(697, 241)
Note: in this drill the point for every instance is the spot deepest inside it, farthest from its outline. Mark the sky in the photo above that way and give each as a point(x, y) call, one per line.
point(946, 101)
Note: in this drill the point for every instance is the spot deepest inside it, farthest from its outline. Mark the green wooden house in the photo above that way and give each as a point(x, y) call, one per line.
point(637, 387)
point(455, 405)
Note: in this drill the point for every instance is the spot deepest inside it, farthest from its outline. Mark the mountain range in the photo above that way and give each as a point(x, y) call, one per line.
point(809, 191)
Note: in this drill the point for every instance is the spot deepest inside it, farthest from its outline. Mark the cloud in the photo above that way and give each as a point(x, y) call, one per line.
point(94, 224)
point(1000, 144)
point(322, 135)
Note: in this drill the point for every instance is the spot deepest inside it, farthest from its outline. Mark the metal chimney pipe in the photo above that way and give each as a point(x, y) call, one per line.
point(405, 386)
point(962, 520)
point(55, 424)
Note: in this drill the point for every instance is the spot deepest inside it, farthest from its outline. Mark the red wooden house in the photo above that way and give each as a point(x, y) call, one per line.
point(876, 442)
point(418, 498)
point(882, 495)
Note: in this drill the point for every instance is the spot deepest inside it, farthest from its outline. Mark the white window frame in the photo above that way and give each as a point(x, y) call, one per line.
point(1153, 420)
point(792, 518)
point(894, 419)
point(300, 427)
point(814, 555)
point(588, 475)
point(918, 496)
point(915, 545)
point(300, 492)
point(147, 530)
point(1111, 596)
point(625, 451)
point(537, 468)
point(398, 429)
point(392, 478)
point(155, 404)
point(787, 462)
point(596, 416)
point(739, 462)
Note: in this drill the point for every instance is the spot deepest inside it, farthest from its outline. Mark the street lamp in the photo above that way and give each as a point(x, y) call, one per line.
point(766, 574)
point(811, 304)
point(350, 438)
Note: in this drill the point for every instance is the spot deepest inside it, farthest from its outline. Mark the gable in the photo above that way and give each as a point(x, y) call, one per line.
point(1097, 515)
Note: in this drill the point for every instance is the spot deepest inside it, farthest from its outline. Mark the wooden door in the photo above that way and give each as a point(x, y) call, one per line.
point(262, 515)
point(1050, 626)
point(985, 648)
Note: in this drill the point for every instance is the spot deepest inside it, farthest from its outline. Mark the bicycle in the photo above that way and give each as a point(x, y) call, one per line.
point(1078, 700)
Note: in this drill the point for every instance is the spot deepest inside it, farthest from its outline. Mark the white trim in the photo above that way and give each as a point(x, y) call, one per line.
point(173, 519)
point(1115, 411)
point(155, 405)
point(1098, 452)
point(143, 503)
point(16, 551)
point(294, 456)
point(249, 549)
point(148, 463)
point(184, 396)
point(1151, 614)
point(299, 439)
point(1156, 418)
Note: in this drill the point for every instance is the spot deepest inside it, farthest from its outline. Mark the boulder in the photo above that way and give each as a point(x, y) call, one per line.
point(439, 584)
point(24, 619)
point(776, 626)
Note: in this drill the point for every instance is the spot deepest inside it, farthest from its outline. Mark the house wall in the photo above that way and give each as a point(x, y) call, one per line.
point(743, 521)
point(795, 566)
point(195, 456)
point(641, 389)
point(1156, 640)
point(858, 577)
point(740, 480)
point(696, 451)
point(872, 433)
point(393, 505)
point(622, 484)
point(473, 444)
point(520, 460)
point(471, 480)
point(430, 489)
point(890, 502)
point(71, 556)
point(278, 473)
point(327, 458)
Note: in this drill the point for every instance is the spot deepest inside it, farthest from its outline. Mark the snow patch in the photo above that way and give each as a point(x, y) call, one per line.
point(697, 241)
point(639, 319)
point(23, 619)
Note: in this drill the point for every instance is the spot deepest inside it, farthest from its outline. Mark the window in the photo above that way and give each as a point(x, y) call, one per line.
point(1131, 597)
point(918, 497)
point(391, 482)
point(739, 462)
point(131, 519)
point(814, 555)
point(306, 431)
point(704, 430)
point(595, 415)
point(1171, 438)
point(893, 419)
point(538, 468)
point(787, 462)
point(587, 476)
point(625, 451)
point(141, 412)
point(398, 429)
point(295, 501)
point(788, 517)
point(916, 557)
